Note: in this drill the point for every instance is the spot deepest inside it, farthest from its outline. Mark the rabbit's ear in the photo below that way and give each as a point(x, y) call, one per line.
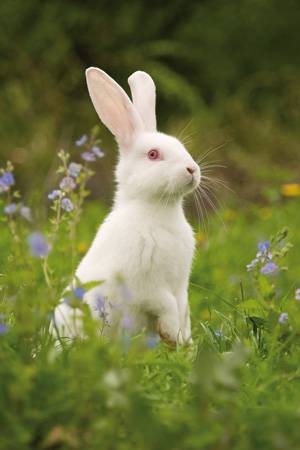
point(143, 95)
point(113, 106)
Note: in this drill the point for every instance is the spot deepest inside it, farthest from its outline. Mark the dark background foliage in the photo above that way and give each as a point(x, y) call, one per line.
point(226, 73)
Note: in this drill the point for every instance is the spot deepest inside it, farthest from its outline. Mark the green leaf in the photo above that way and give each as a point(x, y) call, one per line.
point(252, 307)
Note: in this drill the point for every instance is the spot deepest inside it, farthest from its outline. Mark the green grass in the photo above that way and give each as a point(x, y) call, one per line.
point(237, 391)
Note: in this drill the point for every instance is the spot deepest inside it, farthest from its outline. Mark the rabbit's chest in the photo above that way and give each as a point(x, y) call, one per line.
point(166, 253)
point(151, 253)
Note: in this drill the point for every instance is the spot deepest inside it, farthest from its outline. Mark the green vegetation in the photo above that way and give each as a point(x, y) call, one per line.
point(227, 76)
point(236, 387)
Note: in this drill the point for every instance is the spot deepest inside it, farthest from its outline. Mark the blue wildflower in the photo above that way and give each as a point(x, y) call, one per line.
point(297, 294)
point(67, 184)
point(283, 318)
point(54, 194)
point(218, 333)
point(25, 212)
point(88, 156)
point(263, 256)
point(10, 209)
point(3, 187)
point(79, 292)
point(74, 169)
point(152, 341)
point(264, 247)
point(99, 305)
point(38, 245)
point(264, 253)
point(97, 151)
point(7, 179)
point(269, 268)
point(3, 329)
point(67, 205)
point(81, 141)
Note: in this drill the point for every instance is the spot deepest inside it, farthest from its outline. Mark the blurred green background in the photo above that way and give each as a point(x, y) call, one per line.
point(227, 72)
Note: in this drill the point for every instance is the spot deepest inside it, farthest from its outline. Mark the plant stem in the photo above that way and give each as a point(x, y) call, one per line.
point(46, 272)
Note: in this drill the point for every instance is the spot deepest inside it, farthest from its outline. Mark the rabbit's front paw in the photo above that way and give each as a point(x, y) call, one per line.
point(171, 335)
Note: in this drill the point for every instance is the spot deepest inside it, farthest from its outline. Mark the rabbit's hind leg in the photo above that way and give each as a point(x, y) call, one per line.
point(168, 323)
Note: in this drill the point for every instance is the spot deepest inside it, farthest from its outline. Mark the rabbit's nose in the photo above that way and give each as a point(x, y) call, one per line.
point(190, 170)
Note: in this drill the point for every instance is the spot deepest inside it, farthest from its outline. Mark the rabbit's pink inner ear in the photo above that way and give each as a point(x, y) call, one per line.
point(113, 106)
point(144, 98)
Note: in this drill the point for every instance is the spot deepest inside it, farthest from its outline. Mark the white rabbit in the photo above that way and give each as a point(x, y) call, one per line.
point(146, 240)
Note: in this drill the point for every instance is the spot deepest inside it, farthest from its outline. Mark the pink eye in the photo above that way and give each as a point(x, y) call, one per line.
point(153, 154)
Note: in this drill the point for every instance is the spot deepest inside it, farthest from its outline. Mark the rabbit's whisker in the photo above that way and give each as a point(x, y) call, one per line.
point(209, 166)
point(184, 129)
point(213, 149)
point(208, 161)
point(216, 181)
point(201, 211)
point(205, 191)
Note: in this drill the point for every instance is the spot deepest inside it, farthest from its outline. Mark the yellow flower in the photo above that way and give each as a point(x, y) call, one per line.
point(200, 237)
point(290, 189)
point(82, 247)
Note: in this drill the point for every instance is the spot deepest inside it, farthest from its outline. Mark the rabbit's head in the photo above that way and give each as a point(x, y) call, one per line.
point(151, 164)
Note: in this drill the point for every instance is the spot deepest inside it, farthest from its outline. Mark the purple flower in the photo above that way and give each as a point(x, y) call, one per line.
point(25, 212)
point(283, 318)
point(264, 257)
point(54, 194)
point(7, 179)
point(67, 184)
point(99, 304)
point(264, 254)
point(269, 268)
point(79, 292)
point(218, 333)
point(38, 245)
point(97, 151)
point(297, 294)
point(3, 328)
point(81, 141)
point(152, 341)
point(264, 247)
point(3, 187)
point(74, 169)
point(88, 156)
point(67, 205)
point(126, 322)
point(10, 209)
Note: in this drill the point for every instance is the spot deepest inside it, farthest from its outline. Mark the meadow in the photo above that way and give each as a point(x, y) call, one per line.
point(235, 387)
point(228, 85)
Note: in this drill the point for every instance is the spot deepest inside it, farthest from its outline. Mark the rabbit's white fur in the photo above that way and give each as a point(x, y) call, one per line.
point(145, 240)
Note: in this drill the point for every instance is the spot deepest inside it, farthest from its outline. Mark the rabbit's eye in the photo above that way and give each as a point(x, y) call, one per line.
point(153, 154)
